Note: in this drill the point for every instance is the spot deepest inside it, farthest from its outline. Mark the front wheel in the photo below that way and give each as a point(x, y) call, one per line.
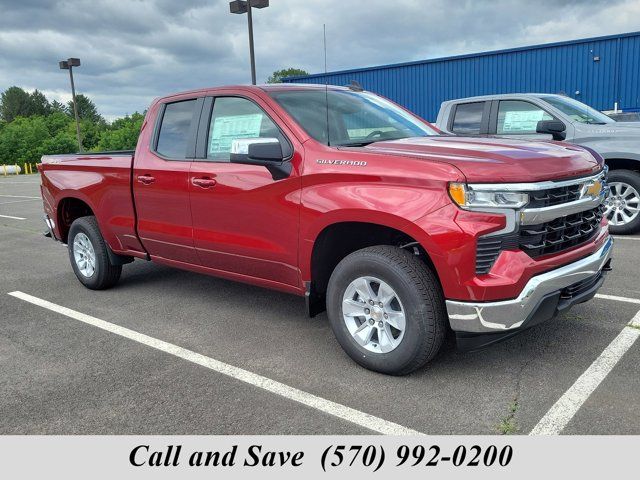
point(89, 256)
point(622, 206)
point(386, 309)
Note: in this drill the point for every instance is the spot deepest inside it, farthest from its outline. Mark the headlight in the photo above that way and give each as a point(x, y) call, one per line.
point(470, 197)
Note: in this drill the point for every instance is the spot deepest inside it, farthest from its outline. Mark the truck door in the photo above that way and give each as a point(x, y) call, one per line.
point(244, 221)
point(161, 181)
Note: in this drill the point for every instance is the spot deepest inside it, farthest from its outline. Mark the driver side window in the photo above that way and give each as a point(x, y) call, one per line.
point(233, 118)
point(519, 117)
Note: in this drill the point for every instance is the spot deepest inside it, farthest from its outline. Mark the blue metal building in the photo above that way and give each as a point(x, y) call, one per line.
point(598, 71)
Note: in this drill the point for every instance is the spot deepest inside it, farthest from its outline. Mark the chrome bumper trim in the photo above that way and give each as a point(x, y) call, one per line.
point(533, 216)
point(486, 317)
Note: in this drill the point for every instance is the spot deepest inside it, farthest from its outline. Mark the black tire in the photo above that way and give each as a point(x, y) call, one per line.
point(632, 179)
point(105, 274)
point(421, 296)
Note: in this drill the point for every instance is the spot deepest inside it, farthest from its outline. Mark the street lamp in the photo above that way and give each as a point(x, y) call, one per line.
point(68, 64)
point(245, 6)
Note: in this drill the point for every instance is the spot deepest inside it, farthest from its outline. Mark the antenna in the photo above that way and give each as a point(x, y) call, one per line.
point(326, 80)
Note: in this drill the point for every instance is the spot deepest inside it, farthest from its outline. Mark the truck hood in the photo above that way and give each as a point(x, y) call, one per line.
point(496, 160)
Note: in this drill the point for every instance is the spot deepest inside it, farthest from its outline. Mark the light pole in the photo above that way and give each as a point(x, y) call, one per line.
point(68, 64)
point(245, 6)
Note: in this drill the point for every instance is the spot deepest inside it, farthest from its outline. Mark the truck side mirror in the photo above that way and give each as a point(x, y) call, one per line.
point(256, 151)
point(261, 151)
point(555, 128)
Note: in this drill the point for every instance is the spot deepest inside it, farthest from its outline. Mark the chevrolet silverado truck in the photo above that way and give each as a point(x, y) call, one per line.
point(341, 196)
point(546, 116)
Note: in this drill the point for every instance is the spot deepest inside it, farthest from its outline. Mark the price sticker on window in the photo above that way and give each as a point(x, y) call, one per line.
point(227, 128)
point(522, 121)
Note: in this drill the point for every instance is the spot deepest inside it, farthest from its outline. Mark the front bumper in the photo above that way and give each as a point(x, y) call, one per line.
point(542, 297)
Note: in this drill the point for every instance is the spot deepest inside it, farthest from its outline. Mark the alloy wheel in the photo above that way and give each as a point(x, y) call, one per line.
point(373, 314)
point(84, 255)
point(622, 205)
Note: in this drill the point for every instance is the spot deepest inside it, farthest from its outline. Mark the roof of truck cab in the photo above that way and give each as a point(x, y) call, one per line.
point(269, 87)
point(498, 96)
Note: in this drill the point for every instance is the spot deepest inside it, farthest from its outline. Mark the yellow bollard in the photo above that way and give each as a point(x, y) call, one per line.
point(5, 169)
point(16, 165)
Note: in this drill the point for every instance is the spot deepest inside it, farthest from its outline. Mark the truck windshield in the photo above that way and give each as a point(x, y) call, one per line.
point(353, 118)
point(578, 111)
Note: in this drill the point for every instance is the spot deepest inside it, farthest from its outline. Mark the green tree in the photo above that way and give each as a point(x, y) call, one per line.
point(57, 121)
point(91, 133)
point(87, 110)
point(122, 134)
point(26, 139)
point(278, 75)
point(14, 102)
point(39, 103)
point(57, 106)
point(61, 142)
point(21, 139)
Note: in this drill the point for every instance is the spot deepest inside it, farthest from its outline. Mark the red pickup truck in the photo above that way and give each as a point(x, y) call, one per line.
point(343, 197)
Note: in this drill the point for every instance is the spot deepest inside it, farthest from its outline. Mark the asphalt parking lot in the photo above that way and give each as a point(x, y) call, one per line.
point(59, 375)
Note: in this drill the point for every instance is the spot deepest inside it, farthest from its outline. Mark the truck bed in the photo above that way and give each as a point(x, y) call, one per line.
point(95, 182)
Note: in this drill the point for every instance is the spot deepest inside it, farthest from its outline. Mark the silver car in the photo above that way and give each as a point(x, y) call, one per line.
point(547, 116)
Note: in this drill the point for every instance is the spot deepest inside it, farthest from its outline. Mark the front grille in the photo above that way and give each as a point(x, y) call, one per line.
point(554, 196)
point(561, 233)
point(542, 239)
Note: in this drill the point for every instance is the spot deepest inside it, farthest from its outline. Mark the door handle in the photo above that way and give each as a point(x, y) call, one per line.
point(204, 182)
point(146, 179)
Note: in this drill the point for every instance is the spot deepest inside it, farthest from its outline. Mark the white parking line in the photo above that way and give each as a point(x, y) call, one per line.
point(343, 412)
point(618, 299)
point(618, 237)
point(18, 201)
point(19, 196)
point(4, 182)
point(13, 218)
point(568, 405)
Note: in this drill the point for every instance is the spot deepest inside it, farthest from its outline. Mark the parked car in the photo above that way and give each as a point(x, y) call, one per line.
point(545, 116)
point(347, 199)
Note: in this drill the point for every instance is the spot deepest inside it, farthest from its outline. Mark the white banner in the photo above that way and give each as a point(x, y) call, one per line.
point(297, 457)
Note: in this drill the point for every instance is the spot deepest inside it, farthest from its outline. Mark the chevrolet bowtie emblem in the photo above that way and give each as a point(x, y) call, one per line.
point(593, 189)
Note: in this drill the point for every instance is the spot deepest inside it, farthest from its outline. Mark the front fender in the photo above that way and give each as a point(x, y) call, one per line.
point(393, 206)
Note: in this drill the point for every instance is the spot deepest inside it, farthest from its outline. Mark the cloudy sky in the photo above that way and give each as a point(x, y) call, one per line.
point(135, 50)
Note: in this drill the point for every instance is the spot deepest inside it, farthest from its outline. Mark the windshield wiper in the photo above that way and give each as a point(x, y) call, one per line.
point(364, 143)
point(357, 144)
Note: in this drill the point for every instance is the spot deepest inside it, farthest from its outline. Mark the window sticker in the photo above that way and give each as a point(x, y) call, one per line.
point(226, 129)
point(522, 121)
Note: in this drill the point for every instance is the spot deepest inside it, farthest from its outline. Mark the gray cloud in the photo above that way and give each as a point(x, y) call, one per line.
point(133, 51)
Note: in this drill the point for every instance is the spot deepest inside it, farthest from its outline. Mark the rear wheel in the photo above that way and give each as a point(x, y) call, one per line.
point(386, 309)
point(89, 255)
point(622, 206)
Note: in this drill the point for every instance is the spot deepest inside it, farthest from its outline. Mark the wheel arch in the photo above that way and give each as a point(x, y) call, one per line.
point(622, 163)
point(69, 208)
point(340, 238)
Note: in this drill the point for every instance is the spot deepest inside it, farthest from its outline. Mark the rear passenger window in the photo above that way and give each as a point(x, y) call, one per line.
point(467, 119)
point(174, 130)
